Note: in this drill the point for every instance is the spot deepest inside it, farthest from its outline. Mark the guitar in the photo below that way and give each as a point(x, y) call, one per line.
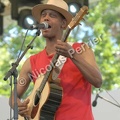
point(42, 89)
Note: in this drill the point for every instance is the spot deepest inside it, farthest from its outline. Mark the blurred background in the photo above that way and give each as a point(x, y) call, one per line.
point(100, 30)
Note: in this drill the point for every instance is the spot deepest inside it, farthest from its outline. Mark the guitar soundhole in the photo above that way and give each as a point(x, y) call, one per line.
point(37, 99)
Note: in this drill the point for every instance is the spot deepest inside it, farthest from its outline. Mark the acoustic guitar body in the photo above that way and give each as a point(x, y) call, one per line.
point(48, 110)
point(33, 106)
point(50, 99)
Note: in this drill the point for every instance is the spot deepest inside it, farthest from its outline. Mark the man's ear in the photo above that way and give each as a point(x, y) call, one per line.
point(64, 24)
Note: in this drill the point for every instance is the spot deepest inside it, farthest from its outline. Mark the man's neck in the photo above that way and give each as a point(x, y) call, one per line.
point(50, 46)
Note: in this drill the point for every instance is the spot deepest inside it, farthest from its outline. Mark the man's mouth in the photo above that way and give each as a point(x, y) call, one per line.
point(49, 26)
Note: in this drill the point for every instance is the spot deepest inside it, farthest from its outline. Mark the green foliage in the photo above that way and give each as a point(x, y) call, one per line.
point(101, 19)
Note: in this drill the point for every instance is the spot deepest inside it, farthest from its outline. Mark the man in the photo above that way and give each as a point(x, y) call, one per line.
point(78, 74)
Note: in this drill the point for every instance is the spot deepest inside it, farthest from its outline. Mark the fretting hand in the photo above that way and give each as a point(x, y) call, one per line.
point(65, 49)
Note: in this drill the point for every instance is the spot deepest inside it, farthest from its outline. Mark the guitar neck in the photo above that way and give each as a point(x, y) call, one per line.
point(53, 62)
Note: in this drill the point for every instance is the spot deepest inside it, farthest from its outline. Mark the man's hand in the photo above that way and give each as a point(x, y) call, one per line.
point(65, 49)
point(22, 108)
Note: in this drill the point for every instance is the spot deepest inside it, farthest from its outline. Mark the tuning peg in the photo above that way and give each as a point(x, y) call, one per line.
point(83, 19)
point(87, 13)
point(80, 24)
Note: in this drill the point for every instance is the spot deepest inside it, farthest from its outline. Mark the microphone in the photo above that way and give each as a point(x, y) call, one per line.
point(95, 101)
point(43, 25)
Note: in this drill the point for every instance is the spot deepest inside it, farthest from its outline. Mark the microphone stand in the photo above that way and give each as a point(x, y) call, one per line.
point(13, 72)
point(108, 101)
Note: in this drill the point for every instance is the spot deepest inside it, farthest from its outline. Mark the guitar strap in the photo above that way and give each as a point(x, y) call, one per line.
point(59, 65)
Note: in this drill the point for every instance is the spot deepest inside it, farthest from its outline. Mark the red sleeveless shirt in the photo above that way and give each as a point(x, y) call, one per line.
point(76, 100)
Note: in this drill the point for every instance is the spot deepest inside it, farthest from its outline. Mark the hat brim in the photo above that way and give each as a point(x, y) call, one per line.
point(36, 11)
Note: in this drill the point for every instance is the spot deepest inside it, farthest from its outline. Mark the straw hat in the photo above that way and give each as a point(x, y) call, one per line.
point(57, 5)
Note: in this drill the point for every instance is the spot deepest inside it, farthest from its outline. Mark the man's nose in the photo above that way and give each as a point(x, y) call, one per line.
point(46, 18)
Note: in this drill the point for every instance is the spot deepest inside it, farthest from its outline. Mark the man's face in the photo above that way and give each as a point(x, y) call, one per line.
point(56, 23)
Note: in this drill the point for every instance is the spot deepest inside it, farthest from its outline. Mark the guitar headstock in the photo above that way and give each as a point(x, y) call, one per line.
point(75, 20)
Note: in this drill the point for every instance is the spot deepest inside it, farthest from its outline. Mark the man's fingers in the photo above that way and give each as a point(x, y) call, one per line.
point(22, 108)
point(23, 111)
point(27, 101)
point(24, 103)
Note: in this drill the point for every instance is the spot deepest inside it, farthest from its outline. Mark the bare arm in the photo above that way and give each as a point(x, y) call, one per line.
point(86, 63)
point(22, 85)
point(84, 60)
